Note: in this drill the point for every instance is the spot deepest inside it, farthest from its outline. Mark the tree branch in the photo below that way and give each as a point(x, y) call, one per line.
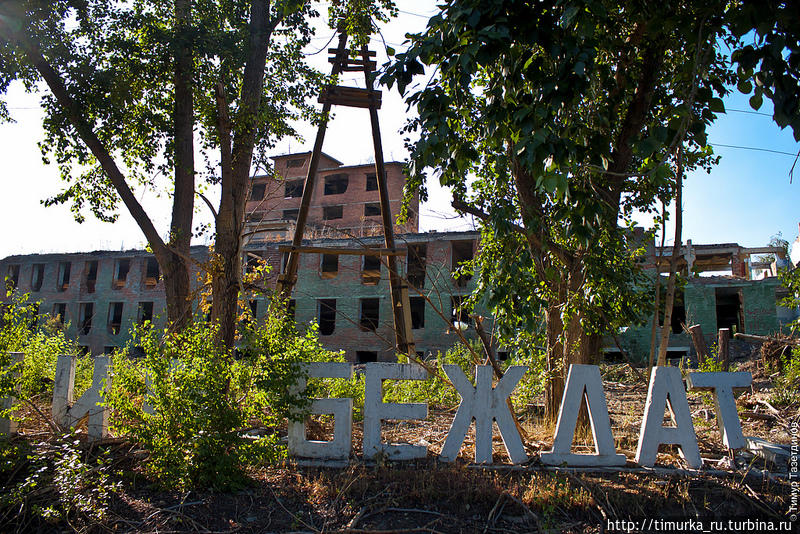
point(86, 133)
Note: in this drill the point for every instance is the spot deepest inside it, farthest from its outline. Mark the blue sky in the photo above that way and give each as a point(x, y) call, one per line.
point(746, 199)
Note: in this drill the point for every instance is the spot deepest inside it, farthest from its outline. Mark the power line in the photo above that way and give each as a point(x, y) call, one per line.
point(755, 148)
point(748, 111)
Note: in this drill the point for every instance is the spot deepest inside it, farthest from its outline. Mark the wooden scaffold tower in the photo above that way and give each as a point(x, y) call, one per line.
point(343, 61)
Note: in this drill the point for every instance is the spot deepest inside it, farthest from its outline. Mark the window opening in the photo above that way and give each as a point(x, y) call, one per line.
point(60, 311)
point(63, 275)
point(461, 253)
point(370, 314)
point(416, 265)
point(366, 356)
point(91, 275)
point(460, 312)
point(121, 272)
point(327, 316)
point(293, 189)
point(152, 273)
point(290, 309)
point(417, 312)
point(290, 215)
point(37, 277)
point(296, 162)
point(371, 270)
point(257, 191)
point(115, 317)
point(329, 266)
point(729, 308)
point(372, 209)
point(85, 315)
point(13, 275)
point(330, 213)
point(145, 312)
point(336, 184)
point(372, 182)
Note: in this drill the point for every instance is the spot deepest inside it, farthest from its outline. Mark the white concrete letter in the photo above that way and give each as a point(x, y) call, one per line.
point(666, 391)
point(7, 425)
point(484, 403)
point(342, 409)
point(722, 384)
point(68, 414)
point(583, 381)
point(375, 410)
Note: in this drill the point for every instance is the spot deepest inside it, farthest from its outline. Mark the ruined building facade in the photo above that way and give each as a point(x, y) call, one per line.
point(100, 295)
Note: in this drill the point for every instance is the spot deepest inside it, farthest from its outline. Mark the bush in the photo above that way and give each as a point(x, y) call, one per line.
point(22, 330)
point(203, 401)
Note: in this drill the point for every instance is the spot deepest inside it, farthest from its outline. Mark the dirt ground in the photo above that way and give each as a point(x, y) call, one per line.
point(430, 496)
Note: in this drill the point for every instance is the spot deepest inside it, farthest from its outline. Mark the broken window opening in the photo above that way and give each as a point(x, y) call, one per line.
point(152, 273)
point(145, 312)
point(290, 215)
point(257, 191)
point(91, 275)
point(417, 312)
point(371, 270)
point(121, 273)
point(372, 181)
point(370, 314)
point(327, 316)
point(37, 277)
point(336, 184)
point(372, 209)
point(291, 308)
point(13, 275)
point(64, 269)
point(729, 308)
point(415, 269)
point(85, 314)
point(115, 317)
point(254, 261)
point(678, 312)
point(60, 311)
point(296, 162)
point(460, 311)
point(366, 356)
point(462, 252)
point(293, 189)
point(330, 213)
point(329, 265)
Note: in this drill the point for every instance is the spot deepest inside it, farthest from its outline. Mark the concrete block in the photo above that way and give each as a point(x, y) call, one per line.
point(484, 404)
point(341, 409)
point(375, 410)
point(7, 425)
point(583, 382)
point(63, 387)
point(68, 413)
point(666, 392)
point(91, 402)
point(722, 384)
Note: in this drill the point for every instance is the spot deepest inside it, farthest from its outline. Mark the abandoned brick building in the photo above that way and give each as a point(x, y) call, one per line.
point(102, 294)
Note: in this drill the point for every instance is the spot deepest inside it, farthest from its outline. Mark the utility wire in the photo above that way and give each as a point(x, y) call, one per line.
point(755, 148)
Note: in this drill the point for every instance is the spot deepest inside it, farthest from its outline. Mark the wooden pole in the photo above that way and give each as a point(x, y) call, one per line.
point(696, 331)
point(723, 347)
point(397, 287)
point(287, 280)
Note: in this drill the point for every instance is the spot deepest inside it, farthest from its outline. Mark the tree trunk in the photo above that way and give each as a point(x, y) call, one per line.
point(235, 179)
point(673, 263)
point(554, 387)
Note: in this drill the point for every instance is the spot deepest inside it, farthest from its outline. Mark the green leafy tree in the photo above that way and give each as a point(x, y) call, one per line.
point(553, 121)
point(138, 89)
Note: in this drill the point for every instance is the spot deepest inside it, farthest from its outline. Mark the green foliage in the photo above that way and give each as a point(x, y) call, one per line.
point(786, 388)
point(435, 390)
point(203, 402)
point(790, 279)
point(41, 342)
point(58, 483)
